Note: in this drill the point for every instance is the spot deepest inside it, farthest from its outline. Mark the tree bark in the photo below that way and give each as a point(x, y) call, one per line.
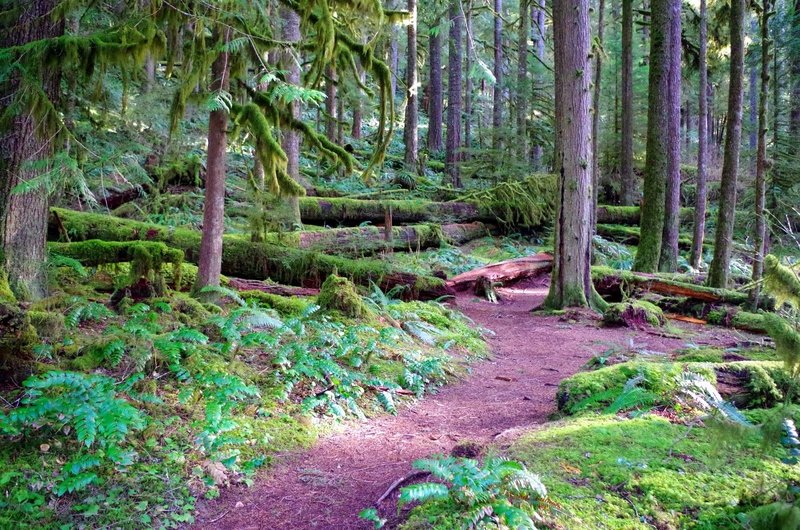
point(627, 176)
point(668, 261)
point(657, 161)
point(718, 274)
point(453, 146)
point(497, 104)
point(761, 154)
point(435, 113)
point(330, 103)
point(468, 81)
point(537, 21)
point(702, 147)
point(522, 92)
point(571, 283)
point(23, 216)
point(598, 77)
point(290, 139)
point(794, 80)
point(210, 260)
point(410, 138)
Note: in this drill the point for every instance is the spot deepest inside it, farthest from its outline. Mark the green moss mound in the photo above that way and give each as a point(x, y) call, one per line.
point(633, 314)
point(340, 294)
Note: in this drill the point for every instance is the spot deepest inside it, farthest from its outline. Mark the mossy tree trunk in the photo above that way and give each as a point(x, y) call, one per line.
point(571, 283)
point(718, 274)
point(23, 141)
point(656, 165)
point(628, 180)
point(436, 92)
point(497, 70)
point(210, 261)
point(453, 144)
point(668, 261)
point(761, 152)
point(702, 147)
point(410, 138)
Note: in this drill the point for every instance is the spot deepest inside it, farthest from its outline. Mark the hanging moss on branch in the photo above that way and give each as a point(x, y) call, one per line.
point(528, 203)
point(781, 282)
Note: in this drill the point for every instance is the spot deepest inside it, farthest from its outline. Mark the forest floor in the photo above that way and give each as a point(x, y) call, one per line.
point(513, 391)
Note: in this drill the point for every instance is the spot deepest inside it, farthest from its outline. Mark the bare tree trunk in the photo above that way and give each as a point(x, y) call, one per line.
point(598, 77)
point(702, 147)
point(358, 111)
point(628, 179)
point(657, 163)
point(497, 105)
point(23, 216)
point(718, 274)
point(522, 79)
point(290, 139)
point(794, 80)
point(668, 261)
point(210, 261)
point(394, 60)
point(468, 81)
point(571, 283)
point(454, 95)
point(538, 21)
point(761, 153)
point(435, 112)
point(410, 130)
point(330, 103)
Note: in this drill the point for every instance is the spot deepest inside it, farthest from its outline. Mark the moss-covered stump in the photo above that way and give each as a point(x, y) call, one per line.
point(340, 294)
point(633, 314)
point(245, 259)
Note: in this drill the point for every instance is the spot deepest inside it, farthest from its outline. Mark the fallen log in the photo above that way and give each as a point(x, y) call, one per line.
point(612, 283)
point(630, 215)
point(629, 235)
point(366, 240)
point(341, 210)
point(504, 272)
point(245, 259)
point(243, 284)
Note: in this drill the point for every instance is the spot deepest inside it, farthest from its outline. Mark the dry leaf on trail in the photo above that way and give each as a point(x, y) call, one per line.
point(216, 471)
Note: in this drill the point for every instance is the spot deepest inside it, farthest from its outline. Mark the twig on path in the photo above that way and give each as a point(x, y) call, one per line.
point(399, 482)
point(214, 520)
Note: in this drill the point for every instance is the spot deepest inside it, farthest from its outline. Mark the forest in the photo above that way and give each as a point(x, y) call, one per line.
point(440, 265)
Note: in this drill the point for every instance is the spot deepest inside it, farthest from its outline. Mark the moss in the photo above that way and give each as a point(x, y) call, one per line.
point(528, 203)
point(633, 314)
point(6, 294)
point(293, 306)
point(634, 474)
point(49, 325)
point(17, 337)
point(87, 362)
point(340, 294)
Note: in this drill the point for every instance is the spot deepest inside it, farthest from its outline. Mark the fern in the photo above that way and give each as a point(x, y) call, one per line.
point(698, 391)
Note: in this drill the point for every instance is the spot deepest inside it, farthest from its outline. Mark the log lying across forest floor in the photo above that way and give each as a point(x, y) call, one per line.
point(629, 235)
point(245, 259)
point(505, 272)
point(340, 210)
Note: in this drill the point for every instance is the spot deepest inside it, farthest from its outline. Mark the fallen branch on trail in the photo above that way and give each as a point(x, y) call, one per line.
point(504, 272)
point(245, 259)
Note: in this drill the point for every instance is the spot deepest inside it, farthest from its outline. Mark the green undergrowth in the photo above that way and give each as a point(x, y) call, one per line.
point(613, 472)
point(133, 414)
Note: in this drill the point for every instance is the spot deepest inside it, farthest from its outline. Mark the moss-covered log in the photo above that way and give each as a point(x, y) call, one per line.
point(340, 210)
point(245, 259)
point(613, 283)
point(629, 235)
point(365, 240)
point(97, 252)
point(630, 215)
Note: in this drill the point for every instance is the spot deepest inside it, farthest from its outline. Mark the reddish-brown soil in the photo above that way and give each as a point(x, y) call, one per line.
point(327, 486)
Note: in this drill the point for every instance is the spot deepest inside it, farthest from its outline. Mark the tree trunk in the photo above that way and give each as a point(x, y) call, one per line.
point(598, 77)
point(522, 92)
point(628, 178)
point(468, 81)
point(358, 110)
point(497, 105)
point(702, 147)
point(210, 260)
point(23, 216)
point(657, 162)
point(538, 20)
point(794, 79)
point(290, 139)
point(668, 261)
point(571, 283)
point(330, 103)
point(761, 153)
point(394, 60)
point(718, 274)
point(435, 114)
point(454, 95)
point(410, 130)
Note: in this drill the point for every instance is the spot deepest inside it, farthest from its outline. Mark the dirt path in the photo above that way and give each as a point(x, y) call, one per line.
point(326, 487)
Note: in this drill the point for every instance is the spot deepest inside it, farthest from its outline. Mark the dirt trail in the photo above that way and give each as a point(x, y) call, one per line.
point(327, 486)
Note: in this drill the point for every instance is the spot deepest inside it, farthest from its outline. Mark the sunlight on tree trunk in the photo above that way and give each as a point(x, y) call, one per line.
point(410, 139)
